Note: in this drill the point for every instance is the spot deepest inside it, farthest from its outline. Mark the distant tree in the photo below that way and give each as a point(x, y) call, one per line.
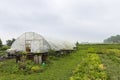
point(1, 43)
point(77, 43)
point(113, 39)
point(9, 42)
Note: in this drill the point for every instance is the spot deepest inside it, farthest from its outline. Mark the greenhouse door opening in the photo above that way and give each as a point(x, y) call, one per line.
point(28, 49)
point(28, 46)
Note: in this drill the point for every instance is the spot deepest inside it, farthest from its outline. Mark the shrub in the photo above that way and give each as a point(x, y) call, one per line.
point(5, 47)
point(35, 69)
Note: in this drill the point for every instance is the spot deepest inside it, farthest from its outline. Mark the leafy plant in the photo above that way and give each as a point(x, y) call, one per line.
point(89, 69)
point(84, 65)
point(35, 69)
point(91, 50)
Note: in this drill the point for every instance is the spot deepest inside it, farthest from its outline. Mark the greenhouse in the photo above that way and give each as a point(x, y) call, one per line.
point(35, 43)
point(37, 47)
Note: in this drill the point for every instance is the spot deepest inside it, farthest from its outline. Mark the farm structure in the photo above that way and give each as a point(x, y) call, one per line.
point(37, 47)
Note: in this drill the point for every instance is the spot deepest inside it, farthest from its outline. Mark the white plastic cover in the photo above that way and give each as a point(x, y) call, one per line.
point(39, 44)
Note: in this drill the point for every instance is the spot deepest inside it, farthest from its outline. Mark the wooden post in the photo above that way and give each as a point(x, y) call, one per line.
point(40, 59)
point(36, 59)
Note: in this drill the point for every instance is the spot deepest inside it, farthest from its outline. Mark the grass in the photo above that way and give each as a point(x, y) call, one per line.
point(110, 57)
point(112, 63)
point(62, 68)
point(90, 68)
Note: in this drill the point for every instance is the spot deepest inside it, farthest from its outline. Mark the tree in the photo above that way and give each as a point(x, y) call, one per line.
point(77, 43)
point(9, 42)
point(113, 39)
point(1, 43)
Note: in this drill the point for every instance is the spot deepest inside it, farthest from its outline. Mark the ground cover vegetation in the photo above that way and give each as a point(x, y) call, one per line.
point(87, 62)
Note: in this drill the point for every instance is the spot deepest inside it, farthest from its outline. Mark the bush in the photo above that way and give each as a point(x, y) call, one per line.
point(35, 69)
point(5, 47)
point(29, 67)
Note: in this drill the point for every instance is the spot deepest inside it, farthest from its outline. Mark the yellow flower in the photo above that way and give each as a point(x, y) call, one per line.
point(101, 66)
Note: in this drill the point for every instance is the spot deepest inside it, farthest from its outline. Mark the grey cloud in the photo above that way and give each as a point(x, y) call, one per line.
point(77, 20)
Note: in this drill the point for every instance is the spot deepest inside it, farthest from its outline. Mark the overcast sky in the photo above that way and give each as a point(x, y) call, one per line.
point(73, 20)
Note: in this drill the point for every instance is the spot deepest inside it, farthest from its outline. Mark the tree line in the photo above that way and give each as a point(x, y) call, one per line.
point(113, 40)
point(7, 45)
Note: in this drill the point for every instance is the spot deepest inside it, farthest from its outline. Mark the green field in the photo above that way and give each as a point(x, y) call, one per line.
point(88, 62)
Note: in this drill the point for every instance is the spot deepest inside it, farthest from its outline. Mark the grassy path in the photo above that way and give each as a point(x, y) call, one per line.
point(112, 64)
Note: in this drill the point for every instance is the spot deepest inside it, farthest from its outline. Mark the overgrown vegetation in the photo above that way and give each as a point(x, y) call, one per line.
point(90, 68)
point(88, 62)
point(110, 57)
point(3, 50)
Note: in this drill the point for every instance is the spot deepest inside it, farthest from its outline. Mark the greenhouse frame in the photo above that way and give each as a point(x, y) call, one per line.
point(33, 42)
point(38, 46)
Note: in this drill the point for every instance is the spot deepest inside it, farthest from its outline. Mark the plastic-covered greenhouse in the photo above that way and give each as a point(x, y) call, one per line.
point(33, 42)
